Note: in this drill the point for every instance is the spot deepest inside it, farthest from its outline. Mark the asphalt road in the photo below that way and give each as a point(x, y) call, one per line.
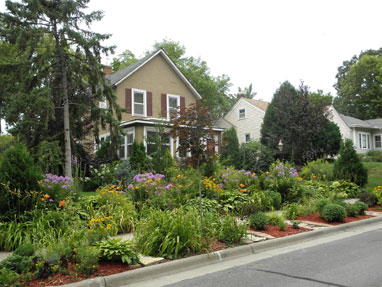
point(352, 261)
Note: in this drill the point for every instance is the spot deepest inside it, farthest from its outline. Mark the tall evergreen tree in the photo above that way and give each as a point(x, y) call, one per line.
point(59, 79)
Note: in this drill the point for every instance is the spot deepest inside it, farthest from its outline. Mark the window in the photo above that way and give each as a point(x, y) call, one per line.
point(247, 138)
point(173, 103)
point(153, 138)
point(102, 139)
point(103, 104)
point(378, 141)
point(364, 140)
point(126, 143)
point(242, 113)
point(139, 103)
point(182, 152)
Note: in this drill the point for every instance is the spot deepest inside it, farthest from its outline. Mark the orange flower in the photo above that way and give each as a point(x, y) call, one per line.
point(46, 196)
point(118, 187)
point(62, 203)
point(178, 176)
point(42, 199)
point(242, 185)
point(113, 186)
point(243, 190)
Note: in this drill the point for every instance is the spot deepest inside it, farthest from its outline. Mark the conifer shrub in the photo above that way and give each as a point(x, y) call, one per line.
point(138, 158)
point(259, 220)
point(231, 149)
point(368, 197)
point(348, 166)
point(333, 212)
point(361, 206)
point(320, 204)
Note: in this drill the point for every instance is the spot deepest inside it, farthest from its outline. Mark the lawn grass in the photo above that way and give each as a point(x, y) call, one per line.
point(375, 174)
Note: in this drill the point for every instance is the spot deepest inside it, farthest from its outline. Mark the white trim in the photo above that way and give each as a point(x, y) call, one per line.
point(171, 63)
point(104, 137)
point(360, 137)
point(127, 131)
point(168, 101)
point(245, 137)
point(245, 114)
point(144, 103)
point(159, 120)
point(153, 129)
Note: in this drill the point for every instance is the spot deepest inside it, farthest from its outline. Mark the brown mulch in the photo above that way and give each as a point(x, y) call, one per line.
point(376, 208)
point(315, 217)
point(274, 230)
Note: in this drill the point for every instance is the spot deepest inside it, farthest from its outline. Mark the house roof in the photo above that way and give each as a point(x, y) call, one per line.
point(260, 104)
point(223, 123)
point(354, 122)
point(119, 76)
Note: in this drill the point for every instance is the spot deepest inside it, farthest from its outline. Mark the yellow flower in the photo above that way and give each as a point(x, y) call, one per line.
point(180, 186)
point(178, 176)
point(46, 196)
point(137, 187)
point(267, 172)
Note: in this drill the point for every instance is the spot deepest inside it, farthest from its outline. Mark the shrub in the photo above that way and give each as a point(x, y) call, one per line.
point(26, 249)
point(49, 157)
point(318, 169)
point(7, 277)
point(282, 225)
point(169, 234)
point(256, 157)
point(346, 188)
point(230, 230)
point(113, 249)
point(259, 220)
point(333, 212)
point(274, 219)
point(320, 204)
point(86, 258)
point(351, 210)
point(378, 193)
point(373, 155)
point(276, 199)
point(17, 263)
point(124, 174)
point(362, 207)
point(291, 211)
point(230, 154)
point(368, 197)
point(138, 158)
point(348, 166)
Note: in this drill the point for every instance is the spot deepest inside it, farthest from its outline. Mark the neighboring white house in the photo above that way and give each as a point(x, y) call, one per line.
point(247, 117)
point(366, 135)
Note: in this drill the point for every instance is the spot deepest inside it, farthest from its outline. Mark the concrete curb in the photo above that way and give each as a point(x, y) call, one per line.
point(180, 265)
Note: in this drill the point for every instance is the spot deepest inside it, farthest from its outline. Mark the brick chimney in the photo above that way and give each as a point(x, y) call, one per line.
point(108, 70)
point(241, 95)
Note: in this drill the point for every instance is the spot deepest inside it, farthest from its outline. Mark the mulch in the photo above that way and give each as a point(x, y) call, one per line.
point(315, 217)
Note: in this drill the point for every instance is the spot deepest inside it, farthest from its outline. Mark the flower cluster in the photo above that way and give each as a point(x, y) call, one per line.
point(231, 178)
point(211, 185)
point(284, 170)
point(148, 176)
point(378, 192)
point(110, 193)
point(103, 225)
point(55, 189)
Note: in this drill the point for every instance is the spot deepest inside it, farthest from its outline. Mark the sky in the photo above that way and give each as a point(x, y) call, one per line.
point(262, 43)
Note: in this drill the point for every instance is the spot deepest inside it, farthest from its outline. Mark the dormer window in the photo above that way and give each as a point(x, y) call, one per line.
point(173, 103)
point(242, 113)
point(139, 103)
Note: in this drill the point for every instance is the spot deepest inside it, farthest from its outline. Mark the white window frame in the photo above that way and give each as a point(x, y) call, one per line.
point(102, 138)
point(360, 140)
point(375, 141)
point(153, 129)
point(188, 153)
point(125, 143)
point(168, 104)
point(103, 104)
point(133, 91)
point(245, 137)
point(241, 118)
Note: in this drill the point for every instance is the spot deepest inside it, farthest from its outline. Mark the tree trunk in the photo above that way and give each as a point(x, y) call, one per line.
point(200, 203)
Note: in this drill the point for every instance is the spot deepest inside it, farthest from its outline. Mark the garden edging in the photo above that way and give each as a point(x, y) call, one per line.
point(183, 264)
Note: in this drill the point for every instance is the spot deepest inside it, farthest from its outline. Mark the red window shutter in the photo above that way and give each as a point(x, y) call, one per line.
point(128, 100)
point(149, 104)
point(164, 105)
point(182, 104)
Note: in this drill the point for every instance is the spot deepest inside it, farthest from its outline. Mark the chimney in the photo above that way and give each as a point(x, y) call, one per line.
point(108, 70)
point(241, 95)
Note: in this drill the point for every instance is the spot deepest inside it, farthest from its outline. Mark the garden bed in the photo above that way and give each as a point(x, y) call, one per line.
point(315, 217)
point(376, 208)
point(274, 230)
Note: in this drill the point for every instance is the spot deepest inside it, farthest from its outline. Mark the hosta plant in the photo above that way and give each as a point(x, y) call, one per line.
point(114, 249)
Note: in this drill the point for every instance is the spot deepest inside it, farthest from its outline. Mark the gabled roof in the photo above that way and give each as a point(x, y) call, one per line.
point(357, 123)
point(118, 77)
point(260, 104)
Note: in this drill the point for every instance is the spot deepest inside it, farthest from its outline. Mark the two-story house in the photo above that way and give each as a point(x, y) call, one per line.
point(366, 135)
point(150, 90)
point(247, 117)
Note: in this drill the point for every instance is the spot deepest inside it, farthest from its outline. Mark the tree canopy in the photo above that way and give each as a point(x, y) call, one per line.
point(293, 123)
point(214, 90)
point(54, 64)
point(359, 86)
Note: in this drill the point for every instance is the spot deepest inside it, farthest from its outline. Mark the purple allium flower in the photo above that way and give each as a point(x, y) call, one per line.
point(49, 186)
point(50, 200)
point(130, 186)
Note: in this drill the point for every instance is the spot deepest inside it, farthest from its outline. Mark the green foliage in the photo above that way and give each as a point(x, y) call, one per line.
point(162, 161)
point(256, 157)
point(230, 230)
point(49, 157)
point(291, 211)
point(327, 141)
point(26, 249)
point(368, 197)
point(86, 258)
point(372, 156)
point(295, 122)
point(19, 264)
point(361, 206)
point(114, 249)
point(320, 204)
point(282, 225)
point(126, 58)
point(274, 219)
point(259, 220)
point(138, 159)
point(230, 154)
point(123, 173)
point(348, 166)
point(351, 210)
point(276, 199)
point(320, 169)
point(350, 189)
point(106, 152)
point(5, 142)
point(333, 212)
point(7, 277)
point(295, 224)
point(359, 86)
point(169, 234)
